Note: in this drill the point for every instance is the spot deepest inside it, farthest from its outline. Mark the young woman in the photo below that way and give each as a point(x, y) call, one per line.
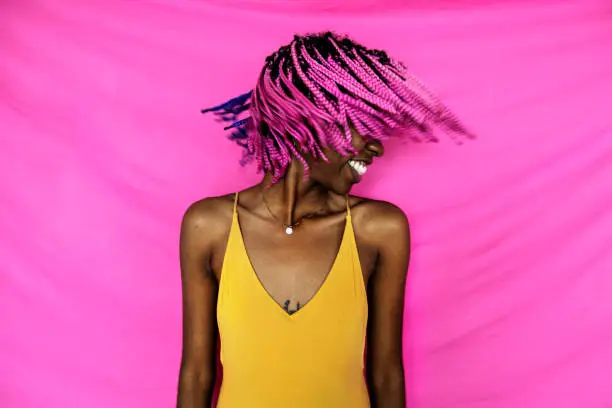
point(294, 273)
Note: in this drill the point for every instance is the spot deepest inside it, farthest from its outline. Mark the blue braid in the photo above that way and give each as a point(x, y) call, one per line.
point(234, 106)
point(229, 112)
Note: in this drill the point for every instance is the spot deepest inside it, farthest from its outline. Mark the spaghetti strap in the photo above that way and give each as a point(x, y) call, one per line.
point(235, 203)
point(348, 207)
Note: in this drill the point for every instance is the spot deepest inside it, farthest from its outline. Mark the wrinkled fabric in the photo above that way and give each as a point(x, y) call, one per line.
point(102, 148)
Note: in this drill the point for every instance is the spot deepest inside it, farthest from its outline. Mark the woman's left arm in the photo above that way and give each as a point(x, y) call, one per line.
point(385, 371)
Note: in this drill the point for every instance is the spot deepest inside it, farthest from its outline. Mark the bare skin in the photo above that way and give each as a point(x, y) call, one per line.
point(292, 268)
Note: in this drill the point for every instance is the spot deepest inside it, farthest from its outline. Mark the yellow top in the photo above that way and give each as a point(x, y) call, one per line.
point(313, 358)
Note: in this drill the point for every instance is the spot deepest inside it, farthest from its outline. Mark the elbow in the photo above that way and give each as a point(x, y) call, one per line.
point(195, 386)
point(197, 376)
point(390, 382)
point(387, 384)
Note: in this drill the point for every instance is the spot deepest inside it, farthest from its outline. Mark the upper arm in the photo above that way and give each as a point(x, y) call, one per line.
point(386, 295)
point(199, 292)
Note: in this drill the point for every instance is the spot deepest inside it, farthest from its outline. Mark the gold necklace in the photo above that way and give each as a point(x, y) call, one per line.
point(289, 229)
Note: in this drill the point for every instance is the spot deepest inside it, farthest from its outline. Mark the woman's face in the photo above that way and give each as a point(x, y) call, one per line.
point(342, 172)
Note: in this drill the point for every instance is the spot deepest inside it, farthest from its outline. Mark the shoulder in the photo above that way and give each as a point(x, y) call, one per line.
point(376, 215)
point(380, 221)
point(209, 216)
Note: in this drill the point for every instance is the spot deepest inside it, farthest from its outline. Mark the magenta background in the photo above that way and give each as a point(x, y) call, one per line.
point(509, 301)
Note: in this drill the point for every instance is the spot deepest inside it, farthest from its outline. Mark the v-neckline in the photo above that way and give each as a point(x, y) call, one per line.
point(262, 287)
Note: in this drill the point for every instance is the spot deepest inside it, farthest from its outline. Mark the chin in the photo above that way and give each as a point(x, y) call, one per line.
point(342, 189)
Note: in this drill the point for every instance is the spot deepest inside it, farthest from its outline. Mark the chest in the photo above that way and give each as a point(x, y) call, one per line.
point(293, 268)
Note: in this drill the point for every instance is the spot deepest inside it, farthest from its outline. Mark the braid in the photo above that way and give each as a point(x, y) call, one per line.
point(313, 90)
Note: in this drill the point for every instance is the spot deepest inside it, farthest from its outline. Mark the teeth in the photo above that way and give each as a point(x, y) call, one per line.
point(358, 166)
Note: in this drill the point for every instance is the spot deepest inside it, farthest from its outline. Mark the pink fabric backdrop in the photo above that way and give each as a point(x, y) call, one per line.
point(102, 148)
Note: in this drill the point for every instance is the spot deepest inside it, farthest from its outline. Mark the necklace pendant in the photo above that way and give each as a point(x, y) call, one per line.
point(289, 230)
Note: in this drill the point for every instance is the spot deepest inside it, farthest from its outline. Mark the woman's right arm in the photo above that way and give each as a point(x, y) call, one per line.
point(199, 288)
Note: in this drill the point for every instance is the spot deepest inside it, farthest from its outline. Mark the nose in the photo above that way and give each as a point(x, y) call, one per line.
point(375, 148)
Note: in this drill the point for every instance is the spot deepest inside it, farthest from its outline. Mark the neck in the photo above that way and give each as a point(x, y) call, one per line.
point(293, 197)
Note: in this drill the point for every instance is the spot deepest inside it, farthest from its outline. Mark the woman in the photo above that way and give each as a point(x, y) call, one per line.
point(294, 272)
